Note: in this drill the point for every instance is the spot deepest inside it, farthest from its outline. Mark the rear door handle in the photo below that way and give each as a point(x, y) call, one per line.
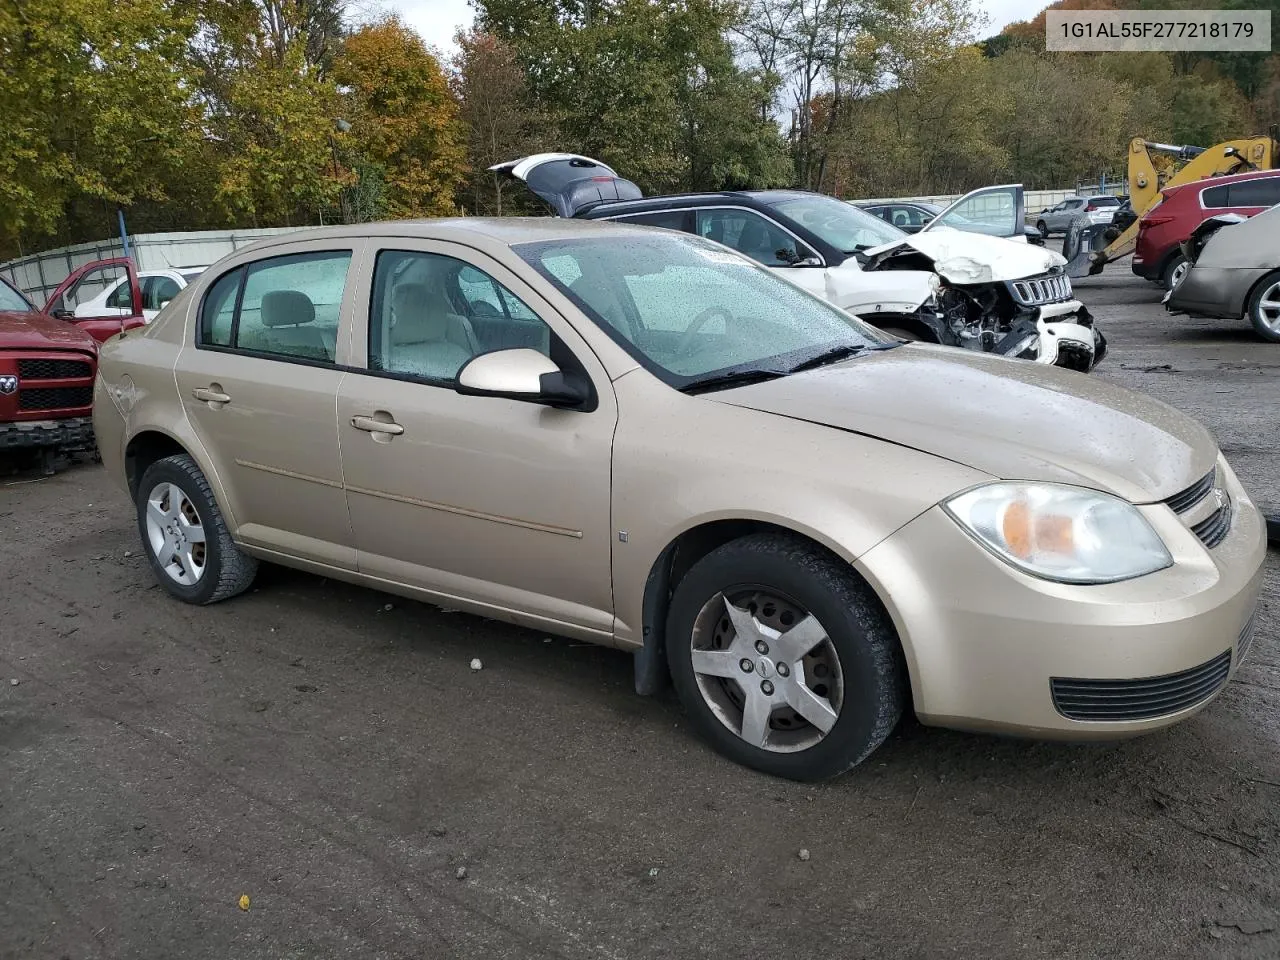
point(370, 425)
point(209, 395)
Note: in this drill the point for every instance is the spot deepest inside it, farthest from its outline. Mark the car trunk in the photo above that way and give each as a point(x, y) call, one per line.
point(570, 183)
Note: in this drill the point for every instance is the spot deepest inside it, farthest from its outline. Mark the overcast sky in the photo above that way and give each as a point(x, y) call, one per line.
point(437, 20)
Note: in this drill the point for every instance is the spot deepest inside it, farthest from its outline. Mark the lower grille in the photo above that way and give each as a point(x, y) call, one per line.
point(54, 369)
point(1245, 640)
point(1213, 529)
point(1145, 699)
point(55, 398)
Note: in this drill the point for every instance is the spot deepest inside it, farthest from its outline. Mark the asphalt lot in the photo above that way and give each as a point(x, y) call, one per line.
point(327, 751)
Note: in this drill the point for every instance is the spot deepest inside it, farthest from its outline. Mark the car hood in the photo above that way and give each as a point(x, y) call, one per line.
point(35, 331)
point(961, 257)
point(1008, 418)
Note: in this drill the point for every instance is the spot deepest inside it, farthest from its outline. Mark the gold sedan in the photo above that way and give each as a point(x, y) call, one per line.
point(642, 439)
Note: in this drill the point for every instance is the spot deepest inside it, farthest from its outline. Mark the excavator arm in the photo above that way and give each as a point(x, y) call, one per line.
point(1094, 248)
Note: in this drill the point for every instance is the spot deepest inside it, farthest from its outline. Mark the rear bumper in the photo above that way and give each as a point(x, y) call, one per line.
point(67, 433)
point(1213, 291)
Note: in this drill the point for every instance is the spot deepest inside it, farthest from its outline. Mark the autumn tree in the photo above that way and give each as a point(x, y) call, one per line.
point(503, 120)
point(404, 117)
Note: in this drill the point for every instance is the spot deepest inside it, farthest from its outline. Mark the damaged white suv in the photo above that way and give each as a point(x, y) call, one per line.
point(981, 287)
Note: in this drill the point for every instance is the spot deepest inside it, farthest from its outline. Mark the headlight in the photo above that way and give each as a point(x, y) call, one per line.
point(1061, 533)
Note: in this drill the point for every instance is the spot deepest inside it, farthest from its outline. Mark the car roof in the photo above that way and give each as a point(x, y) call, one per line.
point(506, 231)
point(710, 198)
point(1231, 177)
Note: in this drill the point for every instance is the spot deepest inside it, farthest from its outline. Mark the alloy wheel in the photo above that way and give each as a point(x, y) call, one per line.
point(1267, 312)
point(767, 669)
point(1178, 273)
point(175, 533)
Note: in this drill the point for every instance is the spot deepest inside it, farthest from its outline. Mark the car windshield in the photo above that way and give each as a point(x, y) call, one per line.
point(844, 226)
point(694, 313)
point(11, 299)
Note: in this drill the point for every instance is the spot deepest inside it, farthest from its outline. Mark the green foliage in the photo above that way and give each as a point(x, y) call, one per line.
point(92, 106)
point(648, 86)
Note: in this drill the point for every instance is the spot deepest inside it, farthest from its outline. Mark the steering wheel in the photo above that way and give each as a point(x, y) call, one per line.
point(698, 322)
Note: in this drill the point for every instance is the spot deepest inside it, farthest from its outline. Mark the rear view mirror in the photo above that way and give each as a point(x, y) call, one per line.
point(519, 374)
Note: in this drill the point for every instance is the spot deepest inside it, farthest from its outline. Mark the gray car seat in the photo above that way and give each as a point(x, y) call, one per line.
point(285, 316)
point(427, 338)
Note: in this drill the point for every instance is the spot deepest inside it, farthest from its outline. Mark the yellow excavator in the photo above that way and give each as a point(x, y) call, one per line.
point(1090, 248)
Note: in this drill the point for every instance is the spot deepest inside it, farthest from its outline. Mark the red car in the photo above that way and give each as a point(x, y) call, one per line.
point(1165, 226)
point(48, 361)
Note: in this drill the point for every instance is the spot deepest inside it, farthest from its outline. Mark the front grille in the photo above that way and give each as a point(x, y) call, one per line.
point(53, 369)
point(54, 398)
point(1245, 640)
point(1188, 498)
point(1119, 700)
point(1213, 529)
point(1049, 288)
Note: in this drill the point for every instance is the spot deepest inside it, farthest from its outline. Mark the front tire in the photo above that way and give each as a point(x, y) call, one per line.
point(784, 658)
point(1264, 307)
point(1043, 228)
point(185, 537)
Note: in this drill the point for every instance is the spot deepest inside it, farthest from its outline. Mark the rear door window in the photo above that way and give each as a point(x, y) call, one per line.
point(284, 306)
point(1259, 192)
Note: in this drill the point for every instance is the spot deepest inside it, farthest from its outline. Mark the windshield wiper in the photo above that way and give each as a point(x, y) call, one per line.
point(836, 354)
point(738, 378)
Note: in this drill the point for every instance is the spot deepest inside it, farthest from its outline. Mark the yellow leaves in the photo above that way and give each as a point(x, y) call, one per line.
point(243, 902)
point(404, 117)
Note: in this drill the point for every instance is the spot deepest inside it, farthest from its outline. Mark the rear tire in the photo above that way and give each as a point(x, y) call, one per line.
point(1264, 307)
point(814, 635)
point(185, 537)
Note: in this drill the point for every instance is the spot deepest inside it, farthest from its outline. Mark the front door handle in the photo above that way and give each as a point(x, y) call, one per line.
point(210, 395)
point(371, 425)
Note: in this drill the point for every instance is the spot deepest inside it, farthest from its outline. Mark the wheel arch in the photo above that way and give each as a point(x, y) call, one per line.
point(1247, 301)
point(153, 443)
point(675, 560)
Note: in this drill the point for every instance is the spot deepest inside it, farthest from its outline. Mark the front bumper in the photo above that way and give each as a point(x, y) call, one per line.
point(69, 433)
point(1213, 291)
point(1056, 334)
point(984, 642)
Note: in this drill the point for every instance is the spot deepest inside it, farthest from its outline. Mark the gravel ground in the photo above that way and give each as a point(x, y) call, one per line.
point(329, 753)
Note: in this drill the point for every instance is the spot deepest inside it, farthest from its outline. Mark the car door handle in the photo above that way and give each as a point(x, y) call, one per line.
point(210, 395)
point(370, 425)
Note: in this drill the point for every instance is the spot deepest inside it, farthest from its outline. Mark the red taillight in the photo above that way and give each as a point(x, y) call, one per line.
point(1147, 222)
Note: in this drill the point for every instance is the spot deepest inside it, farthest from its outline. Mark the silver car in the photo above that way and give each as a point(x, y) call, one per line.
point(1234, 272)
point(1096, 210)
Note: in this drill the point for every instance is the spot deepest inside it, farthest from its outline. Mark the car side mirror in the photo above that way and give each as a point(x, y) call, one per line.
point(520, 374)
point(1033, 235)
